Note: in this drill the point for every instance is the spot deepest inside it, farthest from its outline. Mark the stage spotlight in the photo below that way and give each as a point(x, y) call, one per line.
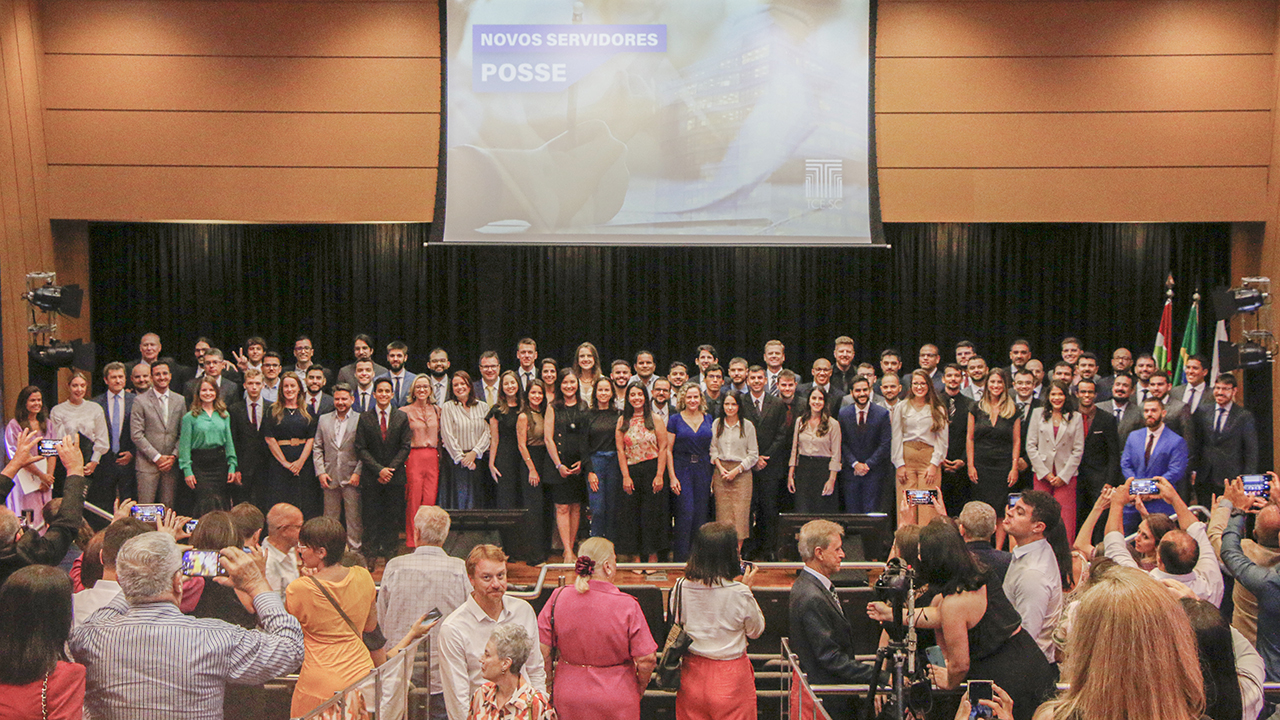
point(64, 299)
point(1253, 293)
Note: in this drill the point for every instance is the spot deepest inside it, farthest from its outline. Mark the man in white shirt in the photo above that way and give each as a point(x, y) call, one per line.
point(154, 426)
point(464, 634)
point(337, 467)
point(425, 580)
point(660, 401)
point(526, 357)
point(1033, 582)
point(362, 395)
point(645, 367)
point(401, 379)
point(438, 365)
point(284, 522)
point(272, 366)
point(976, 372)
point(1193, 392)
point(85, 602)
point(775, 353)
point(1184, 555)
point(486, 388)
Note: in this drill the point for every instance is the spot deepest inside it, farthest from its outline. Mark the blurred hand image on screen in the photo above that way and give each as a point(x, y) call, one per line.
point(649, 120)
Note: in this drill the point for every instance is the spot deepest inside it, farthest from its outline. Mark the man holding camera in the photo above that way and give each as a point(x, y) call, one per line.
point(821, 635)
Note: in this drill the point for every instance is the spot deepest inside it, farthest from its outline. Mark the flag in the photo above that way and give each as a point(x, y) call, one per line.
point(1219, 335)
point(1163, 351)
point(1190, 342)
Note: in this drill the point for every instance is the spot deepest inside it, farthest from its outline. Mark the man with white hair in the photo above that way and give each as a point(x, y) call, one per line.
point(284, 522)
point(414, 584)
point(977, 523)
point(144, 659)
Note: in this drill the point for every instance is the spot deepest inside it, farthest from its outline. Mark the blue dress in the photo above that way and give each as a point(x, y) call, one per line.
point(691, 456)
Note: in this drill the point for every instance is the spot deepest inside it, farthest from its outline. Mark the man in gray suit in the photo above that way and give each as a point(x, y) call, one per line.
point(337, 466)
point(154, 425)
point(1128, 414)
point(363, 351)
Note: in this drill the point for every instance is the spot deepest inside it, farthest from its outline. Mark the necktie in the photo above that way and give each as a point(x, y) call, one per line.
point(1119, 412)
point(528, 378)
point(1222, 417)
point(1191, 399)
point(862, 418)
point(115, 424)
point(253, 414)
point(759, 405)
point(364, 401)
point(439, 392)
point(396, 398)
point(383, 424)
point(1151, 440)
point(491, 395)
point(773, 385)
point(314, 403)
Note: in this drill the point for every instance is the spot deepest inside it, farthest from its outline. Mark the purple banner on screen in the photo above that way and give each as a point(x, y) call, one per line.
point(550, 58)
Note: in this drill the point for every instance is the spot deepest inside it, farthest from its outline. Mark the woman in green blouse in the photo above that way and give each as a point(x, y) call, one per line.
point(205, 451)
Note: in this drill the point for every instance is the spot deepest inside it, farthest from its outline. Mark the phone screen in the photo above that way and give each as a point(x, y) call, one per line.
point(1257, 485)
point(190, 527)
point(934, 653)
point(152, 513)
point(49, 448)
point(431, 616)
point(1013, 498)
point(1144, 487)
point(201, 563)
point(920, 497)
point(979, 690)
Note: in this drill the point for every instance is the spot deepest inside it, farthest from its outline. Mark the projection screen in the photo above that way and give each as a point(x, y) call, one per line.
point(658, 122)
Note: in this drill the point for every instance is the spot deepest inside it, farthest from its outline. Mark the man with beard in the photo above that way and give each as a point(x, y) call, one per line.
point(401, 379)
point(363, 350)
point(438, 367)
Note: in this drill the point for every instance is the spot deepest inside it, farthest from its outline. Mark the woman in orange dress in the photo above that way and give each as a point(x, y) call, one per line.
point(335, 652)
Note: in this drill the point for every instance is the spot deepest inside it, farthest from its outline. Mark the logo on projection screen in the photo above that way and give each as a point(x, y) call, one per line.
point(823, 184)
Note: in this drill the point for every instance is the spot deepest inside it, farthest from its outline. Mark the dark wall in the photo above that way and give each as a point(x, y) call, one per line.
point(937, 283)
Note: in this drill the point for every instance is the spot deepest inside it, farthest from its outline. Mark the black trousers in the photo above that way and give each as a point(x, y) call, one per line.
point(111, 482)
point(209, 465)
point(382, 514)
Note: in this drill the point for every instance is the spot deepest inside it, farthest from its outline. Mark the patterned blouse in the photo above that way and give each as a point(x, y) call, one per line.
point(639, 443)
point(525, 704)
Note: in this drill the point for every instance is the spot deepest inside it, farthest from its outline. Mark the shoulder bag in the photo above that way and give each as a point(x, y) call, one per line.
point(667, 674)
point(373, 640)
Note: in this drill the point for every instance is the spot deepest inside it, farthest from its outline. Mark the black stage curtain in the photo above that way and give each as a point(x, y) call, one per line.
point(936, 283)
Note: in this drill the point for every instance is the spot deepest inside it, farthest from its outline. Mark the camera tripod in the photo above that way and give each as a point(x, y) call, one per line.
point(898, 658)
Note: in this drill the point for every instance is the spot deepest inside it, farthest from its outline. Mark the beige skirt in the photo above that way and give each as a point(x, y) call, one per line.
point(733, 499)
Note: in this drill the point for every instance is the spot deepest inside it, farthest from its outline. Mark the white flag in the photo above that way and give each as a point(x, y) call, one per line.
point(1219, 335)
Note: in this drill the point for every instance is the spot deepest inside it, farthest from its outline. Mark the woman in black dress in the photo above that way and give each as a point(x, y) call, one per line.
point(532, 443)
point(504, 453)
point(565, 433)
point(978, 630)
point(290, 431)
point(993, 443)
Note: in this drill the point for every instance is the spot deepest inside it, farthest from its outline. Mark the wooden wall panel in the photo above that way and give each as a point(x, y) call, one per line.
point(1049, 140)
point(1074, 194)
point(108, 137)
point(1074, 84)
point(213, 27)
point(1031, 28)
point(247, 194)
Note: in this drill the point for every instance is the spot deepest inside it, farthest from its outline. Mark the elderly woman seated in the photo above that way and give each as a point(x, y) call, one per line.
point(506, 695)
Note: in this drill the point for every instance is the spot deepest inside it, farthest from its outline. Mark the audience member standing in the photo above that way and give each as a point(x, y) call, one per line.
point(719, 613)
point(506, 693)
point(465, 435)
point(1033, 582)
point(29, 416)
point(337, 466)
point(289, 430)
point(104, 590)
point(422, 467)
point(36, 681)
point(284, 522)
point(1055, 444)
point(382, 445)
point(464, 633)
point(644, 525)
point(206, 452)
point(531, 441)
point(49, 546)
point(1263, 582)
point(1263, 549)
point(425, 579)
point(734, 452)
point(125, 674)
point(815, 458)
point(605, 650)
point(565, 434)
point(977, 523)
point(689, 457)
point(114, 479)
point(920, 440)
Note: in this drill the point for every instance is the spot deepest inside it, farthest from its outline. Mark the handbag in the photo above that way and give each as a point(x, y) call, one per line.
point(667, 674)
point(373, 640)
point(555, 645)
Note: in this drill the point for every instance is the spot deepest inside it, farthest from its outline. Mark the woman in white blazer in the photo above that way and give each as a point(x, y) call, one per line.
point(1055, 442)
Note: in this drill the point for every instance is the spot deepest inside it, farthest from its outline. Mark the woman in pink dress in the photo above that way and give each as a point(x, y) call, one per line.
point(30, 413)
point(606, 652)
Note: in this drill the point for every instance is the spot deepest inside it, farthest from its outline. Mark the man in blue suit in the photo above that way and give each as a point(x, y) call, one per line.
point(1153, 452)
point(114, 478)
point(401, 379)
point(864, 438)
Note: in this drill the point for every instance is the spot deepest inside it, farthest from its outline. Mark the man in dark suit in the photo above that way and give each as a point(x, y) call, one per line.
point(1100, 463)
point(1226, 441)
point(382, 445)
point(363, 351)
point(1121, 407)
point(252, 456)
point(865, 437)
point(213, 364)
point(821, 635)
point(402, 380)
point(486, 388)
point(956, 488)
point(317, 401)
point(114, 477)
point(769, 414)
point(821, 372)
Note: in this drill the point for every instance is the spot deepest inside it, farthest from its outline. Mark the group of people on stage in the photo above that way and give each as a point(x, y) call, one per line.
point(650, 457)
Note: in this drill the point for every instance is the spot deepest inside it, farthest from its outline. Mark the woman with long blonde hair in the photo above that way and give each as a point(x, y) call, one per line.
point(1131, 656)
point(993, 444)
point(422, 467)
point(290, 432)
point(586, 366)
point(919, 445)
